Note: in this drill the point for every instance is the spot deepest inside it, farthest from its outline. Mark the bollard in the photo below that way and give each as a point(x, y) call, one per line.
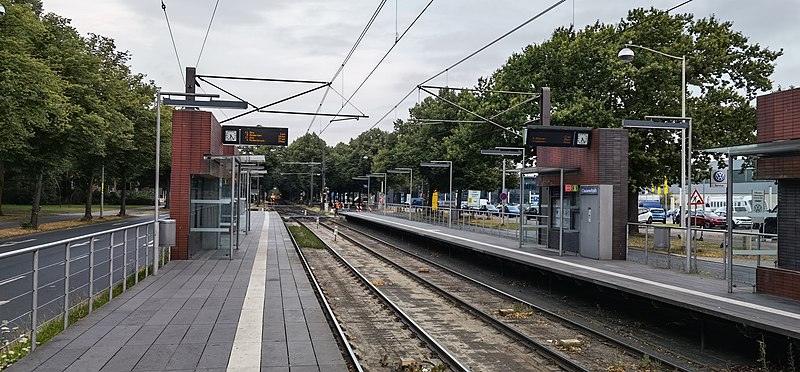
point(317, 223)
point(335, 232)
point(305, 212)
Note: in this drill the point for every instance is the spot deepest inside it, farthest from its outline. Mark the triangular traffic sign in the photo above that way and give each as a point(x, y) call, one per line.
point(696, 198)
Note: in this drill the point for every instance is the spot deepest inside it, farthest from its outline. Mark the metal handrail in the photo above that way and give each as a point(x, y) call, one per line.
point(65, 241)
point(134, 261)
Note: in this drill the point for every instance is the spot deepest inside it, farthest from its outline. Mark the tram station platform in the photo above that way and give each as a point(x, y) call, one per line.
point(694, 292)
point(255, 312)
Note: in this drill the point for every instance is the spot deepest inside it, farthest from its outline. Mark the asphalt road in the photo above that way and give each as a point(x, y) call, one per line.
point(16, 272)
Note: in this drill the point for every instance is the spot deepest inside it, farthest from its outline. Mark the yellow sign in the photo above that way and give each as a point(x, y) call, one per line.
point(435, 201)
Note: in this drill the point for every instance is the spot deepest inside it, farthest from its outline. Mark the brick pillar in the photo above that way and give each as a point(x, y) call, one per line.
point(191, 139)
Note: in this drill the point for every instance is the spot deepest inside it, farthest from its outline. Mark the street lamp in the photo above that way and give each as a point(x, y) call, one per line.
point(444, 164)
point(410, 183)
point(627, 55)
point(378, 175)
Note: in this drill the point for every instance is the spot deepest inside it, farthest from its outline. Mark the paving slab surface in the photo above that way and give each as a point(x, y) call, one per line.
point(210, 313)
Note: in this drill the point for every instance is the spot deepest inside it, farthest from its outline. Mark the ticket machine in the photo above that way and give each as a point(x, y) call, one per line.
point(596, 216)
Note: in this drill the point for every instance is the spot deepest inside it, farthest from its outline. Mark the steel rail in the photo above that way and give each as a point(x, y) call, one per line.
point(439, 349)
point(618, 342)
point(351, 355)
point(554, 356)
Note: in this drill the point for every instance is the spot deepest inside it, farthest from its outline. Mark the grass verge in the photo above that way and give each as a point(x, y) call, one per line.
point(305, 238)
point(51, 226)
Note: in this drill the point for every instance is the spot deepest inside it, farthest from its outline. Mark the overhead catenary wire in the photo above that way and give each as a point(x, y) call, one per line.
point(208, 30)
point(347, 58)
point(481, 49)
point(397, 40)
point(175, 47)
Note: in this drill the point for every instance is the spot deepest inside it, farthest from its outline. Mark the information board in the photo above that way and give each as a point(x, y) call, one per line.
point(254, 136)
point(557, 137)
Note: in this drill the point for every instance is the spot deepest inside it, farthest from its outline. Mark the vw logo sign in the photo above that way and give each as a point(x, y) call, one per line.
point(719, 176)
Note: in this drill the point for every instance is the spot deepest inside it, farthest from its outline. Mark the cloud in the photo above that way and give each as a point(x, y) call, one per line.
point(309, 39)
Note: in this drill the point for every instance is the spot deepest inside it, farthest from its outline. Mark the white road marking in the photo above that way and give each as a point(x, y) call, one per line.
point(81, 244)
point(611, 273)
point(119, 223)
point(8, 244)
point(11, 280)
point(3, 302)
point(246, 350)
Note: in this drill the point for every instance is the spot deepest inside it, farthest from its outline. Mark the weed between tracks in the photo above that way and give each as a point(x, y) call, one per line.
point(305, 238)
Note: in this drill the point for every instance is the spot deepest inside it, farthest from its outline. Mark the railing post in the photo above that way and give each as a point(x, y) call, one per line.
point(110, 266)
point(125, 260)
point(34, 298)
point(136, 257)
point(66, 286)
point(146, 252)
point(91, 273)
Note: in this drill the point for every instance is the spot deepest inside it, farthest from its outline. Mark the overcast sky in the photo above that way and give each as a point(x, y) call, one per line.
point(309, 39)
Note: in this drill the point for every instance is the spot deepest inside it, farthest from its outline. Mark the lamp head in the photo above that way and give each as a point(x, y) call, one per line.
point(625, 55)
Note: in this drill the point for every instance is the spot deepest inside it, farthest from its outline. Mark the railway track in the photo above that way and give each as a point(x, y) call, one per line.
point(652, 357)
point(466, 337)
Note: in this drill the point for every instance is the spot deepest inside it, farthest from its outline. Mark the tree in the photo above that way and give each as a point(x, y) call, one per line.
point(591, 88)
point(32, 96)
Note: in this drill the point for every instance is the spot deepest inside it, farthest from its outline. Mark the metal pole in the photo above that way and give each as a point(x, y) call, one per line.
point(521, 208)
point(247, 217)
point(91, 274)
point(686, 218)
point(136, 257)
point(102, 189)
point(124, 261)
point(385, 189)
point(311, 189)
point(368, 195)
point(729, 238)
point(561, 216)
point(233, 192)
point(503, 201)
point(35, 299)
point(158, 168)
point(110, 266)
point(66, 286)
point(450, 205)
point(410, 190)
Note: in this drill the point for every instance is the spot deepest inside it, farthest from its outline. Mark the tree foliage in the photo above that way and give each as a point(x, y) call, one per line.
point(70, 105)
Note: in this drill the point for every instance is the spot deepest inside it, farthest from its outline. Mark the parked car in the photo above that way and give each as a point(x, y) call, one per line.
point(770, 225)
point(739, 220)
point(512, 209)
point(531, 212)
point(676, 215)
point(658, 214)
point(707, 219)
point(491, 209)
point(645, 216)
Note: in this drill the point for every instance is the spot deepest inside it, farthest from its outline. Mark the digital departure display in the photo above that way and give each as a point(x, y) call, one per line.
point(254, 136)
point(557, 137)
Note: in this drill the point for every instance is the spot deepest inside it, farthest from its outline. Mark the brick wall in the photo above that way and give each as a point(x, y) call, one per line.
point(778, 282)
point(605, 162)
point(778, 115)
point(778, 118)
point(194, 134)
